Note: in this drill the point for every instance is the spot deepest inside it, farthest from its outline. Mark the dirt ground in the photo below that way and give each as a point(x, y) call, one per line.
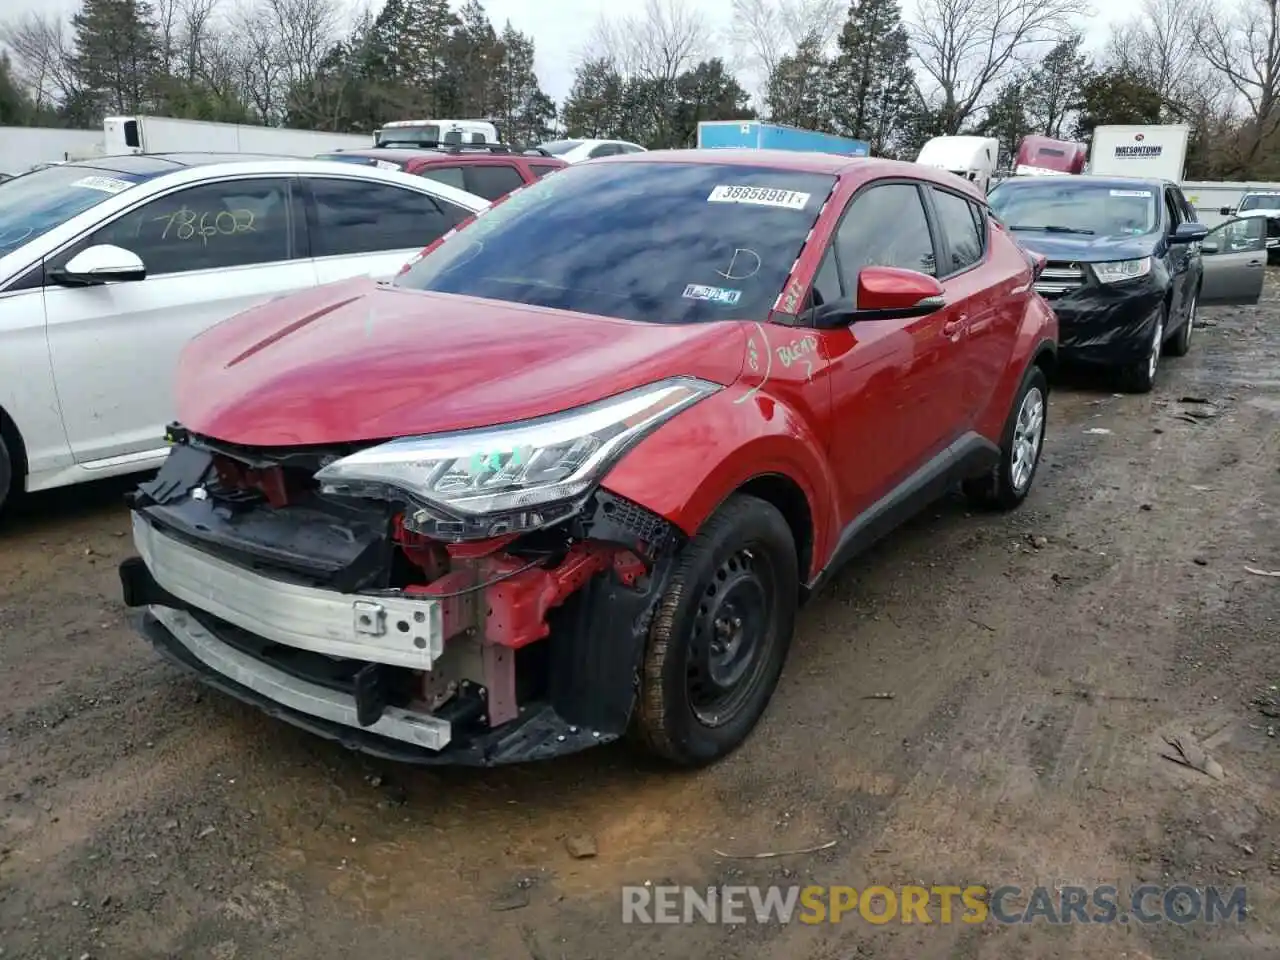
point(1035, 659)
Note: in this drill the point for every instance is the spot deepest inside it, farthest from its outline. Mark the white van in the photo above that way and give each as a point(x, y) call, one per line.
point(428, 133)
point(973, 158)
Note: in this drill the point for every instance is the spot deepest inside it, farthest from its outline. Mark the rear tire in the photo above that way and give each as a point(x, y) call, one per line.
point(1180, 345)
point(1020, 447)
point(720, 635)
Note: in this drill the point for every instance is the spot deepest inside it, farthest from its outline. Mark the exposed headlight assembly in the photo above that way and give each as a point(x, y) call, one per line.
point(1116, 270)
point(475, 484)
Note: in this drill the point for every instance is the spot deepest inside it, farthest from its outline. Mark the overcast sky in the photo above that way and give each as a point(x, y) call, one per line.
point(561, 29)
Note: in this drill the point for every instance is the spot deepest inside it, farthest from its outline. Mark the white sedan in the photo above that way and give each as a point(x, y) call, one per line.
point(575, 151)
point(109, 266)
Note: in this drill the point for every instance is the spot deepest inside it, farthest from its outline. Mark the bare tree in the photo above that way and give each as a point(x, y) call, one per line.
point(41, 50)
point(764, 32)
point(651, 50)
point(657, 44)
point(1244, 47)
point(1161, 45)
point(966, 47)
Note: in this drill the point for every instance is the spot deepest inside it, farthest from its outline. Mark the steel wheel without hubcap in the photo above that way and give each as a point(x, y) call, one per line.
point(1028, 434)
point(730, 633)
point(719, 634)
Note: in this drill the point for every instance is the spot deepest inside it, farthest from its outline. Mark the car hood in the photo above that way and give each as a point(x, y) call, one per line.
point(358, 361)
point(1086, 249)
point(1270, 212)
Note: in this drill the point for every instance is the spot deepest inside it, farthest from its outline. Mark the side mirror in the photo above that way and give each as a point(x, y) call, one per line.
point(1038, 262)
point(1189, 232)
point(884, 293)
point(101, 263)
point(1225, 211)
point(891, 292)
point(1209, 246)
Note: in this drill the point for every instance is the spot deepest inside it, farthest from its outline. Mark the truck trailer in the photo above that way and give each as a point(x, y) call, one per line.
point(731, 134)
point(143, 134)
point(1158, 151)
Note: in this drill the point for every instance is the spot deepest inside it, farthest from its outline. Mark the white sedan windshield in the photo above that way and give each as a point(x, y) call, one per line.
point(35, 203)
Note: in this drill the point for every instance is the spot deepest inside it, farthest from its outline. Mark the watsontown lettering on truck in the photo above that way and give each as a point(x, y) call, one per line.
point(1138, 151)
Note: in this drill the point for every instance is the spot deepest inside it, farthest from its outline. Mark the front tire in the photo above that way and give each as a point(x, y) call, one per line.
point(720, 635)
point(1140, 377)
point(7, 476)
point(1020, 448)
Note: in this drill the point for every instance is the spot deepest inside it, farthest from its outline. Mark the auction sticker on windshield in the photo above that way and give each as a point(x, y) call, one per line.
point(1131, 193)
point(105, 184)
point(760, 196)
point(723, 295)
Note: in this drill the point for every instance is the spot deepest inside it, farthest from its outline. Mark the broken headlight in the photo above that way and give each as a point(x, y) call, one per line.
point(475, 484)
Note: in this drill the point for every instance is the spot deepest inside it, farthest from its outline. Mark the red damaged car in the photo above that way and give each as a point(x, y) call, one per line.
point(569, 476)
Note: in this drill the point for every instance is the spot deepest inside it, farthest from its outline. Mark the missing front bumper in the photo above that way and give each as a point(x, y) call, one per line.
point(538, 734)
point(392, 630)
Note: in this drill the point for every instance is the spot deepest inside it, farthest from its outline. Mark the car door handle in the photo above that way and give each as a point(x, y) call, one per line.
point(954, 328)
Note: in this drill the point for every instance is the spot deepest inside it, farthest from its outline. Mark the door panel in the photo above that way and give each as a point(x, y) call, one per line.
point(114, 346)
point(1234, 256)
point(896, 385)
point(989, 317)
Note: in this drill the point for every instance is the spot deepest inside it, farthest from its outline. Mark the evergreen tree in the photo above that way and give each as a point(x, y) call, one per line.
point(1006, 118)
point(1052, 91)
point(707, 92)
point(1116, 96)
point(117, 54)
point(797, 92)
point(477, 58)
point(16, 108)
point(871, 84)
point(593, 109)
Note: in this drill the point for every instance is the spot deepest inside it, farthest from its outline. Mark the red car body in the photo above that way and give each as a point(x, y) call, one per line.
point(843, 428)
point(489, 172)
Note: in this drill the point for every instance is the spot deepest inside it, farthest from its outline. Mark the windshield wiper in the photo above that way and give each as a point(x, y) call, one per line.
point(1052, 228)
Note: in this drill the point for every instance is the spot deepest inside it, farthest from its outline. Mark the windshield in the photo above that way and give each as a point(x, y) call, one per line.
point(35, 203)
point(657, 242)
point(1054, 206)
point(558, 148)
point(1261, 201)
point(427, 133)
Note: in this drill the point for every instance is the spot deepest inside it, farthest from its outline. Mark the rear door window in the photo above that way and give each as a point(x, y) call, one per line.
point(453, 176)
point(491, 181)
point(961, 224)
point(541, 169)
point(356, 216)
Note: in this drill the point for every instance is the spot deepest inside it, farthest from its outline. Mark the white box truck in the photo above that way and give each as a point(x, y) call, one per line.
point(167, 135)
point(1157, 151)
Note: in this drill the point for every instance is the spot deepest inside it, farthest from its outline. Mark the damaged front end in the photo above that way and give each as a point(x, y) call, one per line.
point(347, 602)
